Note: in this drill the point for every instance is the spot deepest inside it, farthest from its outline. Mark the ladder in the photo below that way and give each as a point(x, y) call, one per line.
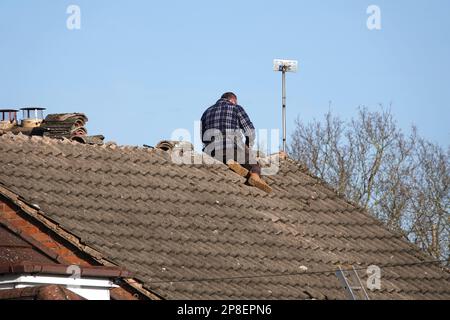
point(353, 286)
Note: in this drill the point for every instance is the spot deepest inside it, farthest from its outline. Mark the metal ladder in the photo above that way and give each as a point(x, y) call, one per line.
point(353, 286)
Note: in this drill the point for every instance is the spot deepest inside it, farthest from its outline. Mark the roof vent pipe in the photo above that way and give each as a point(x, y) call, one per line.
point(170, 146)
point(8, 119)
point(32, 117)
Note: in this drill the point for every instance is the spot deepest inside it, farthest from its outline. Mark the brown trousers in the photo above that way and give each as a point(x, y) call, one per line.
point(245, 158)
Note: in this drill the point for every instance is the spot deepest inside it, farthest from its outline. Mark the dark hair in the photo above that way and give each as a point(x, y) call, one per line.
point(229, 95)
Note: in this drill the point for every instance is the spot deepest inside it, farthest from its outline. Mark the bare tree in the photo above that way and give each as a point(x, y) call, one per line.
point(402, 180)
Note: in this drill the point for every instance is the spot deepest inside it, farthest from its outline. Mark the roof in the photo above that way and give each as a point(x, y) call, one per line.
point(14, 250)
point(18, 256)
point(52, 292)
point(58, 269)
point(198, 232)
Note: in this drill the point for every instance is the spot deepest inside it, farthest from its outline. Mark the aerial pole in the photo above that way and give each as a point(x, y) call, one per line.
point(284, 66)
point(284, 106)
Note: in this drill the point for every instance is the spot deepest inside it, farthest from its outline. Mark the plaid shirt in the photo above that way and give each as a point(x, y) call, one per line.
point(232, 121)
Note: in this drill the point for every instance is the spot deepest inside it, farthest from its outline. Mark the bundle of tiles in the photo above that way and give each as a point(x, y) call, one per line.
point(67, 125)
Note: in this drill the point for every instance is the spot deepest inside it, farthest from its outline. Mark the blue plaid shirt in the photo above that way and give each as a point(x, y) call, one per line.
point(231, 121)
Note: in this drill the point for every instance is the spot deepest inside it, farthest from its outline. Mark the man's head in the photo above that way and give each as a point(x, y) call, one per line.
point(230, 96)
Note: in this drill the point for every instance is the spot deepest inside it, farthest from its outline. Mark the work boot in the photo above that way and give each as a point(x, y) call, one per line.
point(256, 181)
point(236, 167)
point(283, 155)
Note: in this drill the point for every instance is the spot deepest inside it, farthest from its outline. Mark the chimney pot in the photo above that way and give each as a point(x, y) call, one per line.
point(32, 117)
point(8, 119)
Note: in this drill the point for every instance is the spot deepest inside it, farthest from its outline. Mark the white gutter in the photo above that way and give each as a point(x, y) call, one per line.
point(88, 288)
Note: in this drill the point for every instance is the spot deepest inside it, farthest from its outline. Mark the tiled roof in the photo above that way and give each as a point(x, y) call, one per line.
point(14, 250)
point(52, 292)
point(166, 222)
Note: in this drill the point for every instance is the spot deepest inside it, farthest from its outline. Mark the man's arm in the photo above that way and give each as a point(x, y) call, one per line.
point(246, 126)
point(202, 127)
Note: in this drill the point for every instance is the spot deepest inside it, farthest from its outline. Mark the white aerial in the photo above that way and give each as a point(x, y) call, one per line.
point(285, 65)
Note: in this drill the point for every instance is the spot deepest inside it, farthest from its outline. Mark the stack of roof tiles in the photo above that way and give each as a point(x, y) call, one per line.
point(70, 126)
point(66, 125)
point(198, 232)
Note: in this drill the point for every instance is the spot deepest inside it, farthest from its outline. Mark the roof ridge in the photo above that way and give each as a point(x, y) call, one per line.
point(64, 141)
point(112, 145)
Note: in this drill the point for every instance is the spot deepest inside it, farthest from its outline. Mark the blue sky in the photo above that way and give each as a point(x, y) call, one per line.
point(141, 69)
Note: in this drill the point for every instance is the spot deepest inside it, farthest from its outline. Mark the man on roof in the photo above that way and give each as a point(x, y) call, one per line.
point(228, 135)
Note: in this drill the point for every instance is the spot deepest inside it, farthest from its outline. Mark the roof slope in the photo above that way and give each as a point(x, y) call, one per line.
point(167, 222)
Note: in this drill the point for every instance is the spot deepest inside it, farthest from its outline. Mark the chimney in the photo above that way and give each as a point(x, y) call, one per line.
point(8, 119)
point(32, 117)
